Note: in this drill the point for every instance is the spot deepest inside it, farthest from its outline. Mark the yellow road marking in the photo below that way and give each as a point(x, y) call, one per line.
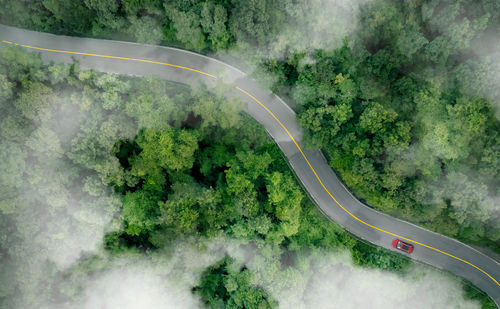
point(112, 57)
point(286, 130)
point(351, 214)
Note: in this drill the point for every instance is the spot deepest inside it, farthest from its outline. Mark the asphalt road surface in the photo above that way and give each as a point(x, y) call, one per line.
point(310, 166)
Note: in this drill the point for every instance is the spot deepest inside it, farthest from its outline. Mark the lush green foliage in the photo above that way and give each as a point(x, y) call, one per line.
point(225, 286)
point(404, 114)
point(254, 27)
point(405, 111)
point(183, 165)
point(196, 25)
point(473, 293)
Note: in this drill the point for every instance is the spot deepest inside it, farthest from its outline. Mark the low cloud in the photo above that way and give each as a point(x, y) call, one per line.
point(137, 287)
point(319, 280)
point(317, 24)
point(52, 212)
point(53, 198)
point(72, 226)
point(333, 282)
point(313, 25)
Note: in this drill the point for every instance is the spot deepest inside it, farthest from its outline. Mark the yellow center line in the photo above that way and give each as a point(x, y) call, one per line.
point(351, 214)
point(286, 130)
point(112, 57)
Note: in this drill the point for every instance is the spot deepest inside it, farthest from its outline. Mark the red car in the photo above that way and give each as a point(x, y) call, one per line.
point(401, 245)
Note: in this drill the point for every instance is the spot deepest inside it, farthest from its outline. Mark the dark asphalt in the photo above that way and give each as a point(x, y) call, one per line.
point(297, 161)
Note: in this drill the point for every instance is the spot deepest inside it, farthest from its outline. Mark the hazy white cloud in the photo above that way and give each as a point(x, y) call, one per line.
point(317, 24)
point(53, 220)
point(66, 224)
point(135, 287)
point(484, 76)
point(319, 280)
point(163, 281)
point(314, 24)
point(333, 282)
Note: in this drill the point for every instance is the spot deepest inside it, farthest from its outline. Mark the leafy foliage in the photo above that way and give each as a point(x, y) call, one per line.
point(398, 120)
point(211, 172)
point(223, 286)
point(405, 110)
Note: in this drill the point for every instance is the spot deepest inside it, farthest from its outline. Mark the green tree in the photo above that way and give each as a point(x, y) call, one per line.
point(171, 149)
point(33, 102)
point(5, 89)
point(145, 29)
point(107, 18)
point(226, 285)
point(70, 16)
point(256, 21)
point(285, 197)
point(191, 209)
point(140, 212)
point(187, 26)
point(411, 41)
point(213, 21)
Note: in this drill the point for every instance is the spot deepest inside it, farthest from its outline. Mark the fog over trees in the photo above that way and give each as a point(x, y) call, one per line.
point(402, 97)
point(92, 181)
point(408, 99)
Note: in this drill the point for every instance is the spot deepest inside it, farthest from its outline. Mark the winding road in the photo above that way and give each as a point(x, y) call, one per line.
point(310, 166)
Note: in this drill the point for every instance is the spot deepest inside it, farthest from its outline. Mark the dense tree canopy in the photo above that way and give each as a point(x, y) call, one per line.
point(395, 113)
point(185, 177)
point(222, 286)
point(406, 110)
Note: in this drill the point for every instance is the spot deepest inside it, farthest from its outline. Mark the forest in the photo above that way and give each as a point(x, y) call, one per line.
point(408, 119)
point(80, 147)
point(405, 107)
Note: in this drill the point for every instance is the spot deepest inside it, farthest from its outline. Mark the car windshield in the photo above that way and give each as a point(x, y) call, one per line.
point(405, 247)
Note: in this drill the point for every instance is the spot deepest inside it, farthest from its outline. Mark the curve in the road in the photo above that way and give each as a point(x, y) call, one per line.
point(318, 161)
point(347, 211)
